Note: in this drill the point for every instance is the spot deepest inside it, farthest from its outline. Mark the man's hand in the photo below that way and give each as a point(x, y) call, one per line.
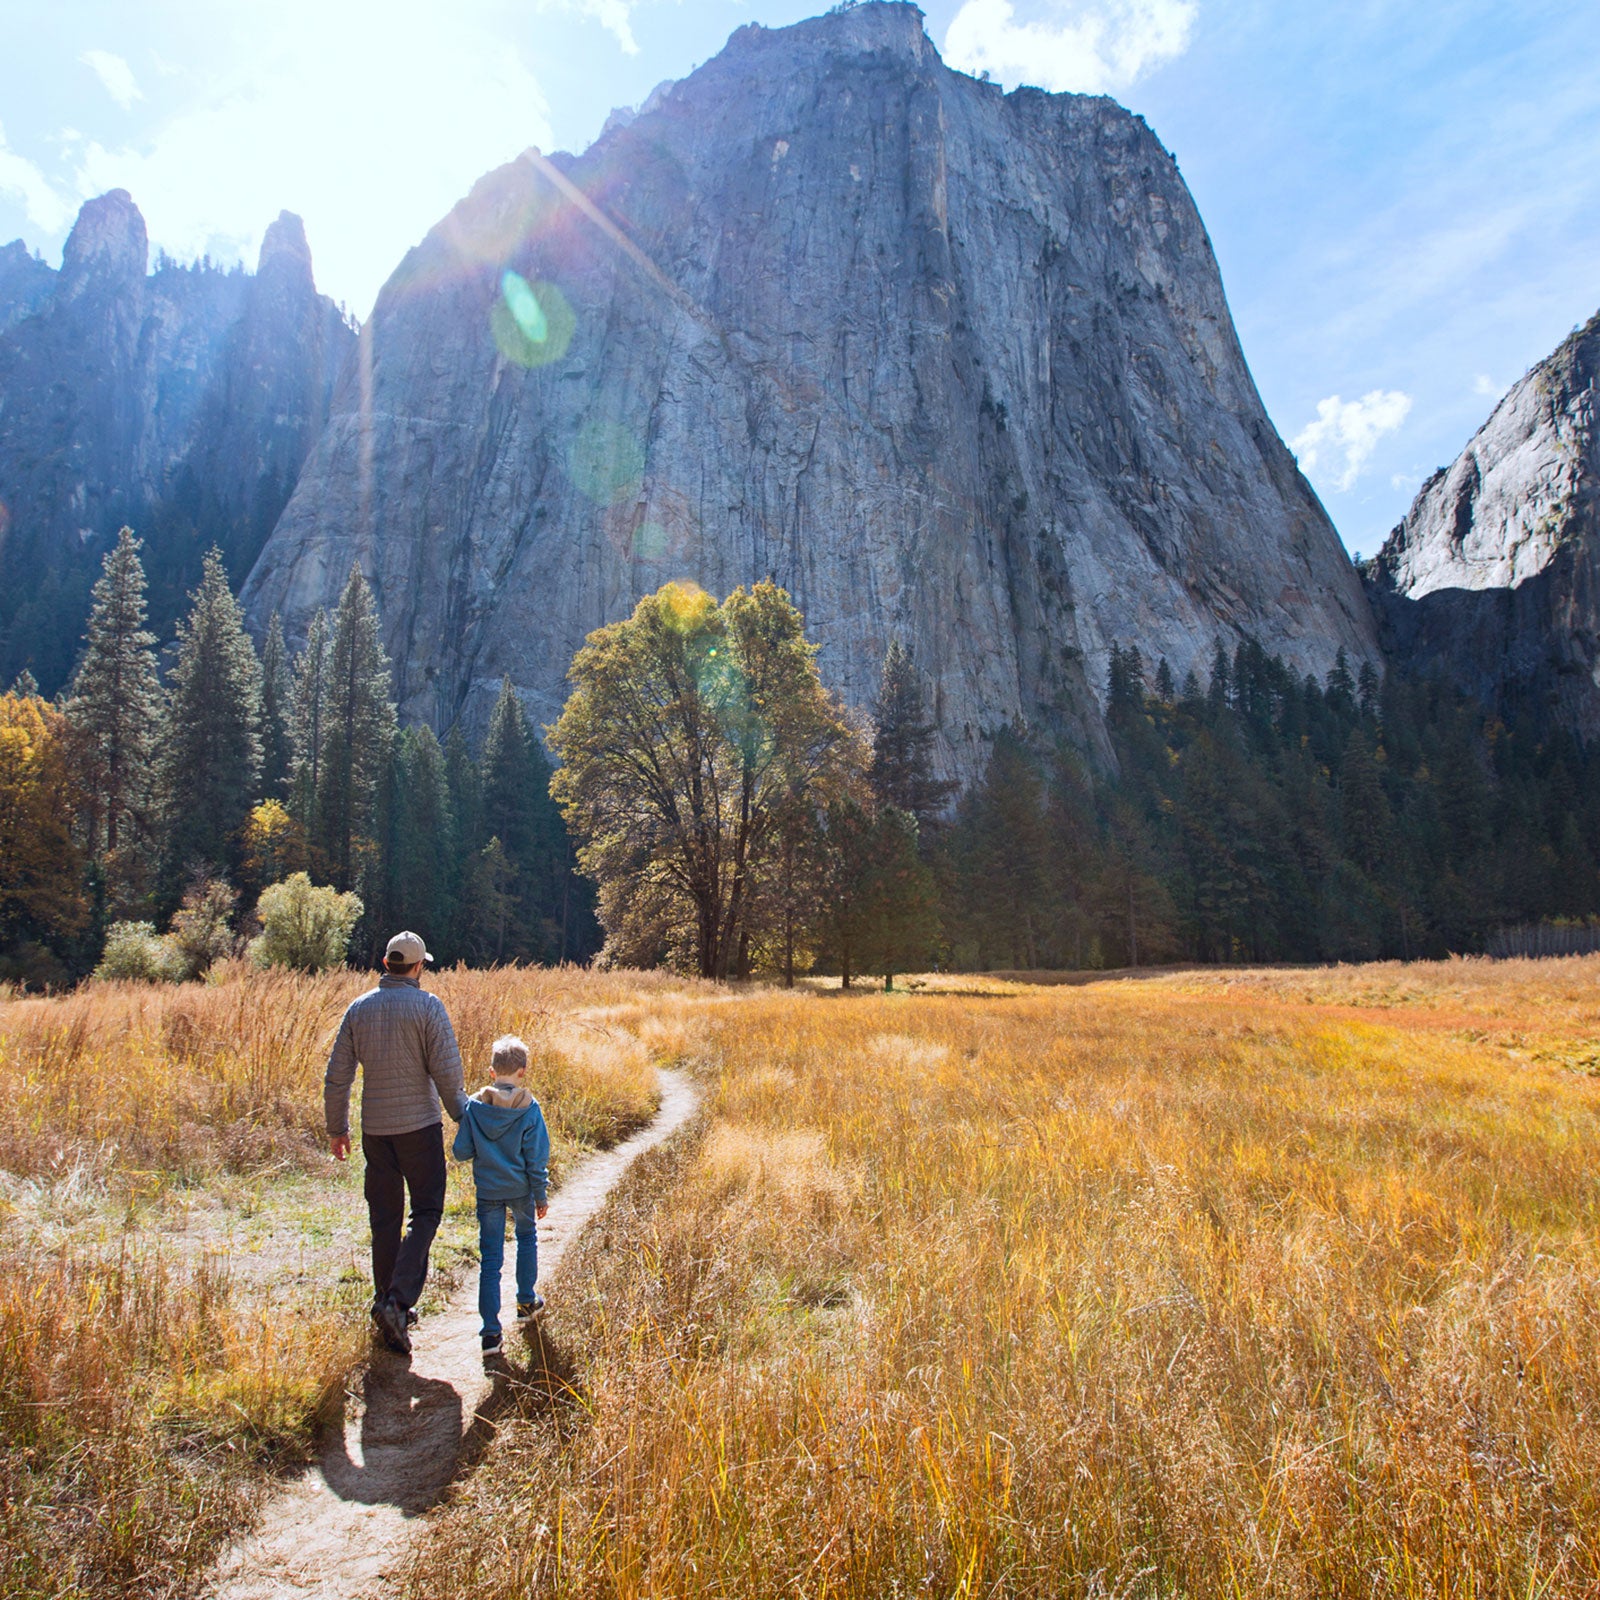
point(540, 1211)
point(340, 1145)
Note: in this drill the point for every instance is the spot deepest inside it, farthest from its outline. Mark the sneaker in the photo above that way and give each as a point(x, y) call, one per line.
point(411, 1317)
point(390, 1316)
point(527, 1310)
point(491, 1342)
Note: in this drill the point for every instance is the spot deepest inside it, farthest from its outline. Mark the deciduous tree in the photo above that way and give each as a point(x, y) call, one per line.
point(690, 728)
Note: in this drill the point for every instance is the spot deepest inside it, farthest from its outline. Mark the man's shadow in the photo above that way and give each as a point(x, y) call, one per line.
point(412, 1443)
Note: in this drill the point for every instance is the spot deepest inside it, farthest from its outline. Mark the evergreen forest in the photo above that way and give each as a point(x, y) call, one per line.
point(1255, 817)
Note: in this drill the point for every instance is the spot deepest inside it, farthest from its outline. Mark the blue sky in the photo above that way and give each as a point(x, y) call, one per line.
point(1404, 197)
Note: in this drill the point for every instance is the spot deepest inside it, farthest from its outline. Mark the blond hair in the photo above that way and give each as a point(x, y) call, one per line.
point(510, 1055)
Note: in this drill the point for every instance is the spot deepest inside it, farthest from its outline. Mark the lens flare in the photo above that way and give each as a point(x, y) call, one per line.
point(650, 542)
point(532, 323)
point(606, 463)
point(524, 306)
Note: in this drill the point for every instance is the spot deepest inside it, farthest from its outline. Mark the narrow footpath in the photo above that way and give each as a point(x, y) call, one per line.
point(348, 1524)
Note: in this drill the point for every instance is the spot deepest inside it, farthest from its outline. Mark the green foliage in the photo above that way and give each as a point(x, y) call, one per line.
point(424, 846)
point(277, 700)
point(878, 898)
point(115, 710)
point(1273, 819)
point(358, 724)
point(518, 811)
point(136, 952)
point(693, 730)
point(308, 714)
point(304, 925)
point(902, 773)
point(211, 757)
point(202, 928)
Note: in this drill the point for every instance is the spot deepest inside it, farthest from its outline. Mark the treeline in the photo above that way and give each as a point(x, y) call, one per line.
point(1268, 817)
point(732, 818)
point(135, 795)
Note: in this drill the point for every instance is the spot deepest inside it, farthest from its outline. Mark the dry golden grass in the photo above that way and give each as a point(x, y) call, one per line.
point(182, 1269)
point(1234, 1284)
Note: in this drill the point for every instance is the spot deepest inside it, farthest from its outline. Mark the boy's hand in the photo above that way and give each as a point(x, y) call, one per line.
point(340, 1145)
point(540, 1211)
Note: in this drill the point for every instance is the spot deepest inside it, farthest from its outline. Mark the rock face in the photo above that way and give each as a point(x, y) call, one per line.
point(182, 402)
point(24, 283)
point(1494, 576)
point(947, 363)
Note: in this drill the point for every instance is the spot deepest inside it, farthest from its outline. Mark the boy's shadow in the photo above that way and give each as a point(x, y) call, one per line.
point(412, 1443)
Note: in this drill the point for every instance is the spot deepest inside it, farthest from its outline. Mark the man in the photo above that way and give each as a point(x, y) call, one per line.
point(403, 1040)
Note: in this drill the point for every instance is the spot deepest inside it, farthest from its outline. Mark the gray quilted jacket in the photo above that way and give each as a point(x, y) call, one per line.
point(402, 1038)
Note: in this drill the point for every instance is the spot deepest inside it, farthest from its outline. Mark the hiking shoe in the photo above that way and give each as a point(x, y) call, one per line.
point(527, 1310)
point(390, 1317)
point(491, 1342)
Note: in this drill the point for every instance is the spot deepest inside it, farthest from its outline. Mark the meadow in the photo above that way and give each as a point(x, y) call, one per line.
point(1278, 1282)
point(183, 1269)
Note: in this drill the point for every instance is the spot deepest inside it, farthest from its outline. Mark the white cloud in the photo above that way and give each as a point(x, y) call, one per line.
point(370, 119)
point(115, 74)
point(615, 16)
point(22, 181)
point(1096, 47)
point(1347, 431)
point(1486, 386)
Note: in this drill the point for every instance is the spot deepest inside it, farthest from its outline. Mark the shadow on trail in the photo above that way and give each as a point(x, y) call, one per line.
point(411, 1446)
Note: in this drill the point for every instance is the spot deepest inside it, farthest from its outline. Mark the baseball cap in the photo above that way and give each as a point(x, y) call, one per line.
point(409, 949)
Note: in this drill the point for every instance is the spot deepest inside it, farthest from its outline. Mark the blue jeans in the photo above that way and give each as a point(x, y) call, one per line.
point(492, 1254)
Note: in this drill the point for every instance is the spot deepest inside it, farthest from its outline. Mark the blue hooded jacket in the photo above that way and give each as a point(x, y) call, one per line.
point(508, 1146)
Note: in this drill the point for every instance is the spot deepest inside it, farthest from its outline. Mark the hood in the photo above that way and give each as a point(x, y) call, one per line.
point(513, 1096)
point(494, 1122)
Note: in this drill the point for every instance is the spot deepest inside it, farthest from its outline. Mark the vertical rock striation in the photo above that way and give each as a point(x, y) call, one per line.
point(947, 363)
point(182, 402)
point(1494, 575)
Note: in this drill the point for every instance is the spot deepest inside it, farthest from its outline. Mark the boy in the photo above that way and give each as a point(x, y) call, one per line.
point(503, 1134)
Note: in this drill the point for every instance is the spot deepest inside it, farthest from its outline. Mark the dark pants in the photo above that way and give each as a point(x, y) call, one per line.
point(396, 1163)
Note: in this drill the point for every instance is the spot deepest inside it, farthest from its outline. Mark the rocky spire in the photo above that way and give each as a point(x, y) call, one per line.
point(108, 245)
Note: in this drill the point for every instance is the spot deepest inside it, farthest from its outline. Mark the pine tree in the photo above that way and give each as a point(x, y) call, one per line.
point(464, 788)
point(211, 766)
point(359, 726)
point(308, 717)
point(425, 844)
point(1005, 853)
point(277, 698)
point(899, 924)
point(518, 810)
point(115, 714)
point(901, 774)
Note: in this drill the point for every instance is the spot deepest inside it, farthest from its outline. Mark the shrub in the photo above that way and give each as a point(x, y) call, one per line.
point(201, 929)
point(304, 925)
point(135, 950)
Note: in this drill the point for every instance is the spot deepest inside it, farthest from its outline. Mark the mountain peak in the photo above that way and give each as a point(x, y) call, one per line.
point(107, 242)
point(285, 254)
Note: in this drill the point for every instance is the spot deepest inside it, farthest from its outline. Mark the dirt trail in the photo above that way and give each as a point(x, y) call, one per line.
point(350, 1521)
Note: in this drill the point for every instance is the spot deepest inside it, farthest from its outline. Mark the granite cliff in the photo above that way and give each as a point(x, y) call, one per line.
point(948, 363)
point(181, 401)
point(1494, 575)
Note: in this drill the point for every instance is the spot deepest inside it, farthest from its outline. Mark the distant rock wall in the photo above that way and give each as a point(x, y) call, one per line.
point(947, 363)
point(1494, 575)
point(182, 402)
